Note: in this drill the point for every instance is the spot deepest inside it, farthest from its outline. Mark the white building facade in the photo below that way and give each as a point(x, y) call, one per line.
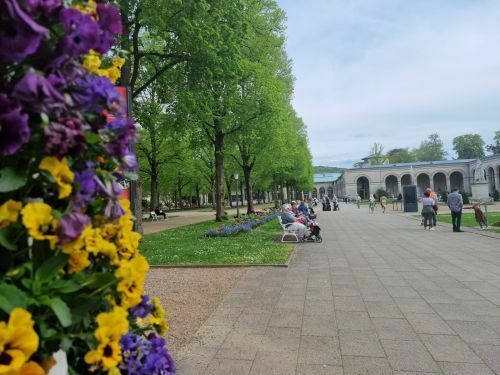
point(440, 176)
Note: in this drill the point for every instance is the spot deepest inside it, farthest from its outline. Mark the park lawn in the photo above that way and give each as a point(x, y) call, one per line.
point(468, 220)
point(188, 246)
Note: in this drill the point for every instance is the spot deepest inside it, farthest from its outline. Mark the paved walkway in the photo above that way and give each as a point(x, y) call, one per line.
point(378, 296)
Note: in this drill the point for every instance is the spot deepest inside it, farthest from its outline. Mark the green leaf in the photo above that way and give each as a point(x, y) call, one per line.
point(92, 137)
point(65, 286)
point(98, 279)
point(7, 237)
point(51, 267)
point(12, 179)
point(81, 306)
point(60, 309)
point(11, 297)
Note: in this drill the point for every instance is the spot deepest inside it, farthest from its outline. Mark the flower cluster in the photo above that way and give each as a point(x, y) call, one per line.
point(243, 227)
point(71, 274)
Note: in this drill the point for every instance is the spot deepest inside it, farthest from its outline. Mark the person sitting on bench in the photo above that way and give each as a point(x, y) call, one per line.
point(159, 212)
point(288, 218)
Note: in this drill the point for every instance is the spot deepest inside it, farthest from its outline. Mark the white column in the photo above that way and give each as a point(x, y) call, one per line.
point(448, 183)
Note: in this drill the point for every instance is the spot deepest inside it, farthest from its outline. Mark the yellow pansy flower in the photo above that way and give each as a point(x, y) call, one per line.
point(9, 212)
point(18, 341)
point(157, 318)
point(89, 8)
point(118, 62)
point(111, 327)
point(60, 171)
point(32, 368)
point(38, 219)
point(78, 261)
point(132, 275)
point(92, 61)
point(107, 354)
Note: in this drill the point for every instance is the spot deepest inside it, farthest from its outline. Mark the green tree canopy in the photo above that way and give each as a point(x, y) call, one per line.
point(431, 149)
point(468, 146)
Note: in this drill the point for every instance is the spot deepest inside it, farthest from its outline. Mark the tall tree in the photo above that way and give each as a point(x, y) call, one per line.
point(431, 149)
point(469, 146)
point(401, 155)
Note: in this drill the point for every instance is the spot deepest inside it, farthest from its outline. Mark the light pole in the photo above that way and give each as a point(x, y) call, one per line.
point(236, 176)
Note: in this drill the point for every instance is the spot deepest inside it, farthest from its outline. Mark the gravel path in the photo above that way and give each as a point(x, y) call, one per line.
point(189, 296)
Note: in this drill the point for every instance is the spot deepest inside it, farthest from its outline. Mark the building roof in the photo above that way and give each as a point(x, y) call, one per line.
point(415, 164)
point(326, 177)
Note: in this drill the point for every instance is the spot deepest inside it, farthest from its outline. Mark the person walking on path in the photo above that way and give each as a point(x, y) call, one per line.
point(383, 203)
point(358, 201)
point(428, 210)
point(455, 203)
point(373, 202)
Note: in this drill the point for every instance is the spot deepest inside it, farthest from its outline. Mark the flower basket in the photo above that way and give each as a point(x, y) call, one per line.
point(71, 275)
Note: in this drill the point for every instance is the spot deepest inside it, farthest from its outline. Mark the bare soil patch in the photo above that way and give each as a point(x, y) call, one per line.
point(189, 296)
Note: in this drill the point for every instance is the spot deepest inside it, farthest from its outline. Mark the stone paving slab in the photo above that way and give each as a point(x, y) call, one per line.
point(378, 296)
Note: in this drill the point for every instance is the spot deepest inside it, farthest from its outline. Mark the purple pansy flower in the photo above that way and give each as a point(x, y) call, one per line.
point(20, 36)
point(37, 94)
point(110, 24)
point(64, 136)
point(145, 356)
point(63, 71)
point(82, 32)
point(95, 93)
point(124, 133)
point(48, 8)
point(71, 226)
point(87, 187)
point(14, 130)
point(144, 308)
point(113, 209)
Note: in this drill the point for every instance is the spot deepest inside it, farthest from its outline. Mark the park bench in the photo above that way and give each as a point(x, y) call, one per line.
point(288, 231)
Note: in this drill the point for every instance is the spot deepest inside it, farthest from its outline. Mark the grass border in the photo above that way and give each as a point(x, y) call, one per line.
point(238, 265)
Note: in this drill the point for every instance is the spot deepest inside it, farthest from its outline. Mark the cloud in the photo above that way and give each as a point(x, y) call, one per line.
point(393, 72)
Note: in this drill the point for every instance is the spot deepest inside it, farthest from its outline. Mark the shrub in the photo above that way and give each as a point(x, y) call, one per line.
point(496, 195)
point(380, 192)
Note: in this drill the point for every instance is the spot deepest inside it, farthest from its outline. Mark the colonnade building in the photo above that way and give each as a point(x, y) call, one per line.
point(440, 176)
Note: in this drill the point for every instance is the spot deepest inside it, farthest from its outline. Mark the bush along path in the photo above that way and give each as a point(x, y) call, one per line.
point(71, 275)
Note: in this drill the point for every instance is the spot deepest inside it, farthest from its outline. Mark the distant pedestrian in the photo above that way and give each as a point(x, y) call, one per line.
point(428, 210)
point(358, 201)
point(383, 203)
point(455, 203)
point(372, 203)
point(479, 215)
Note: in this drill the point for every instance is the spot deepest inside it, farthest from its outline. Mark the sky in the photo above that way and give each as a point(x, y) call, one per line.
point(393, 72)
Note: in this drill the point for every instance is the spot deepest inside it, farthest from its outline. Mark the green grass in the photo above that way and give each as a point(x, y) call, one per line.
point(468, 220)
point(187, 245)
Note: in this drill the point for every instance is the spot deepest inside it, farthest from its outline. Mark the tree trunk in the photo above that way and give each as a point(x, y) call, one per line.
point(136, 189)
point(219, 174)
point(228, 187)
point(154, 193)
point(198, 203)
point(248, 186)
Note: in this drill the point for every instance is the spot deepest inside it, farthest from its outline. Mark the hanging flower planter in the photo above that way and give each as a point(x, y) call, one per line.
point(72, 293)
